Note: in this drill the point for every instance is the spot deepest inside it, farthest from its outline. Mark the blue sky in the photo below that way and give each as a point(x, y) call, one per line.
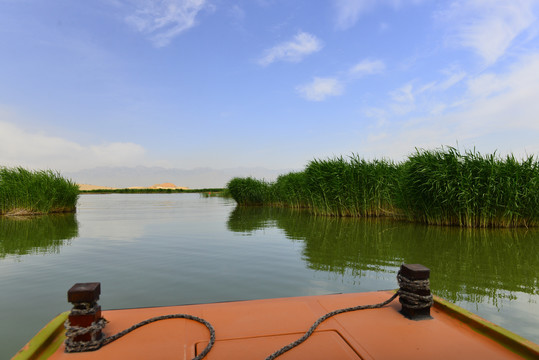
point(263, 83)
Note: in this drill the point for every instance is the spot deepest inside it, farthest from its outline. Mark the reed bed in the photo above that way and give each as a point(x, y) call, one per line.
point(352, 187)
point(25, 192)
point(334, 187)
point(249, 191)
point(470, 190)
point(442, 187)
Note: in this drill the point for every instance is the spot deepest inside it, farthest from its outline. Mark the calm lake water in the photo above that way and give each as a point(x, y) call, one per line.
point(170, 249)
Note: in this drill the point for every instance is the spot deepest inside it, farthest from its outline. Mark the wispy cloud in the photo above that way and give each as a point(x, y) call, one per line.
point(163, 20)
point(237, 12)
point(20, 147)
point(295, 50)
point(403, 99)
point(422, 96)
point(347, 12)
point(321, 88)
point(367, 67)
point(488, 27)
point(495, 111)
point(453, 78)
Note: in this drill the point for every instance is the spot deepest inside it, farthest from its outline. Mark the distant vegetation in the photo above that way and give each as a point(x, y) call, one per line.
point(443, 187)
point(25, 192)
point(151, 191)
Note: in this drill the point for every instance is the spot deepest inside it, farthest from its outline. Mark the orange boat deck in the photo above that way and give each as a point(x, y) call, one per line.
point(255, 329)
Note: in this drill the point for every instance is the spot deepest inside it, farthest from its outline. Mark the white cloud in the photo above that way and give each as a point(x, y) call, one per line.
point(488, 27)
point(349, 11)
point(494, 112)
point(453, 78)
point(237, 12)
point(162, 20)
point(412, 96)
point(404, 94)
point(503, 102)
point(19, 147)
point(367, 67)
point(295, 50)
point(321, 88)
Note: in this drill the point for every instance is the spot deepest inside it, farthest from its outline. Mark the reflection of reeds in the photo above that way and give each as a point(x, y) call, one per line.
point(36, 234)
point(35, 192)
point(441, 187)
point(467, 264)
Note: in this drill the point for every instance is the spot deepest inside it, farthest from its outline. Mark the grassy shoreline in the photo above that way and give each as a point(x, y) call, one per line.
point(441, 187)
point(25, 192)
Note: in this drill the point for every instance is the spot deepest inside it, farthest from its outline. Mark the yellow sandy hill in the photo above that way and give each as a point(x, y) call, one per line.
point(167, 186)
point(86, 187)
point(93, 187)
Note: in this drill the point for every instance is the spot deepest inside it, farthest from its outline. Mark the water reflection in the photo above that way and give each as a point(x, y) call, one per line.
point(474, 265)
point(36, 234)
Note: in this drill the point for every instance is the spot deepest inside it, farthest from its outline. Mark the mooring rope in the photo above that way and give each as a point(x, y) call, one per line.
point(94, 344)
point(412, 300)
point(417, 301)
point(324, 318)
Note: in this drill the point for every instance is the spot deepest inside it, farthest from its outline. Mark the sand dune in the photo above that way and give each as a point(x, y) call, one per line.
point(86, 187)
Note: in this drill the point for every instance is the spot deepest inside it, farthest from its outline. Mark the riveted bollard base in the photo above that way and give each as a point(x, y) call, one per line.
point(415, 296)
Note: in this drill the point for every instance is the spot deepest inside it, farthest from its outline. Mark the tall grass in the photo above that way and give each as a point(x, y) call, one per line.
point(249, 191)
point(443, 187)
point(24, 192)
point(335, 187)
point(291, 190)
point(446, 187)
point(352, 187)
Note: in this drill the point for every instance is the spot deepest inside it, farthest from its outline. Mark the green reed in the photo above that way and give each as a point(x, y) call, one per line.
point(446, 187)
point(443, 187)
point(24, 192)
point(291, 190)
point(352, 187)
point(340, 187)
point(249, 191)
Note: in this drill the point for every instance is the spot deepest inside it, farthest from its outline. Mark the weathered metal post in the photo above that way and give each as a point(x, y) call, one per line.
point(86, 313)
point(414, 293)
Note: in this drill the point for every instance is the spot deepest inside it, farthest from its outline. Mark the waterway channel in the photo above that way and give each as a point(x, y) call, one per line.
point(170, 249)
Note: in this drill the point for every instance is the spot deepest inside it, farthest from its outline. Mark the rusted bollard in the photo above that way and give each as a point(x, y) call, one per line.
point(414, 293)
point(86, 312)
